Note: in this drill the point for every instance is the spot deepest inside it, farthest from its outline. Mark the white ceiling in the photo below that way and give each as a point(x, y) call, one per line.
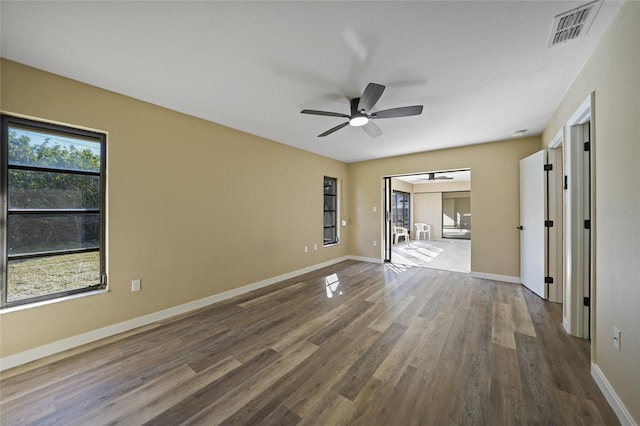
point(480, 68)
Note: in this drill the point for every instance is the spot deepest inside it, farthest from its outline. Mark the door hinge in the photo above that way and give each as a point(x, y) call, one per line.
point(587, 146)
point(587, 224)
point(586, 301)
point(566, 182)
point(548, 167)
point(548, 223)
point(548, 280)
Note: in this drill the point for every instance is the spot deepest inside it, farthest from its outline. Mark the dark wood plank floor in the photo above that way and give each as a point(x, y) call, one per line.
point(382, 345)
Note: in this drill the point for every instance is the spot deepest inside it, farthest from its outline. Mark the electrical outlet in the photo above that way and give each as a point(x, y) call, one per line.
point(135, 285)
point(375, 243)
point(616, 338)
point(306, 249)
point(315, 247)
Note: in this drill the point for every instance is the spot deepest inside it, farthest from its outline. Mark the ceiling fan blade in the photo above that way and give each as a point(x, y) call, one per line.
point(370, 96)
point(333, 129)
point(327, 113)
point(398, 112)
point(372, 130)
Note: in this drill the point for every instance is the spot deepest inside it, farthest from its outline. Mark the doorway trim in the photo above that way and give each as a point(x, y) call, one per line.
point(555, 213)
point(578, 320)
point(386, 219)
point(386, 225)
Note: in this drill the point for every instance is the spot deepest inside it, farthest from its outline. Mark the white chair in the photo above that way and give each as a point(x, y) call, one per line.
point(423, 228)
point(399, 231)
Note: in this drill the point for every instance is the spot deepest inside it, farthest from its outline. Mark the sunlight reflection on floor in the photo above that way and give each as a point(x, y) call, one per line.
point(450, 255)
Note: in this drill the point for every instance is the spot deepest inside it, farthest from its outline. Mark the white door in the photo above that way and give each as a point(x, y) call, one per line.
point(533, 194)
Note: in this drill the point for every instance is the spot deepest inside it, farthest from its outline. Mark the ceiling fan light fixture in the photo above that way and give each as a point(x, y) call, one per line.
point(359, 121)
point(360, 109)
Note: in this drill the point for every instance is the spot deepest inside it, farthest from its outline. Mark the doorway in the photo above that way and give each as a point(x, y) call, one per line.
point(567, 251)
point(415, 206)
point(456, 215)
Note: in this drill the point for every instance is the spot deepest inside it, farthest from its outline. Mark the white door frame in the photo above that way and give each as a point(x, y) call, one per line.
point(555, 265)
point(578, 318)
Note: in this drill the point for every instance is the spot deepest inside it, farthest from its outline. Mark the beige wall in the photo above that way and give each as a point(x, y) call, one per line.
point(613, 73)
point(194, 208)
point(428, 208)
point(400, 185)
point(495, 246)
point(458, 185)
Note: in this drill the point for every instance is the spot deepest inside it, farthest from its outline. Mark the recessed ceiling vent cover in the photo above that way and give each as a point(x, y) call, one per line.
point(573, 24)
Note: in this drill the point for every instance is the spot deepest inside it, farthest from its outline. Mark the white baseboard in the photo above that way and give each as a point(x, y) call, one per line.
point(366, 259)
point(101, 333)
point(495, 277)
point(612, 398)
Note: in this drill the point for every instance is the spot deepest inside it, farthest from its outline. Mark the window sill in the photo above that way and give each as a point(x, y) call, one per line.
point(51, 301)
point(331, 245)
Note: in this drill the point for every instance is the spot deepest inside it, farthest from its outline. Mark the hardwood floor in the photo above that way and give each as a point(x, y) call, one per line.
point(393, 345)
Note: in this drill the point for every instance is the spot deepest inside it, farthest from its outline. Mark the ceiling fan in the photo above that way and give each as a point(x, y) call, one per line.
point(432, 177)
point(361, 114)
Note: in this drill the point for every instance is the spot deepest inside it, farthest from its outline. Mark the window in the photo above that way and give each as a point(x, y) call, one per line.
point(53, 221)
point(330, 210)
point(400, 209)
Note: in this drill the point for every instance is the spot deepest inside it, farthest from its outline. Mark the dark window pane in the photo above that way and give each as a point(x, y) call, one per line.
point(45, 190)
point(329, 219)
point(401, 208)
point(330, 186)
point(329, 202)
point(41, 276)
point(29, 147)
point(37, 233)
point(330, 235)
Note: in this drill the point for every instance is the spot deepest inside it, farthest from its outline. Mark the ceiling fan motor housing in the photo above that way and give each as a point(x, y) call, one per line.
point(361, 115)
point(354, 109)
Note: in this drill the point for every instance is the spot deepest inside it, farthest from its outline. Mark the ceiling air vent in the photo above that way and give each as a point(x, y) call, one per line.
point(573, 24)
